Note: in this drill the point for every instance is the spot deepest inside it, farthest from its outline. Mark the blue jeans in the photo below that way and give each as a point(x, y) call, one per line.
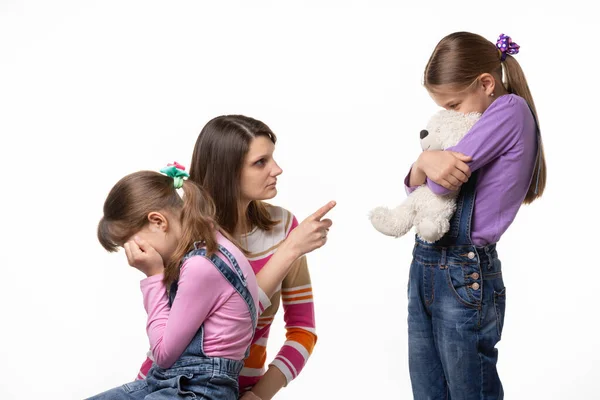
point(194, 375)
point(210, 379)
point(456, 302)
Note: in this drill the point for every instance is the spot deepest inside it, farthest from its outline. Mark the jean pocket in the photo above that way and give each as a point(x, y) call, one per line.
point(464, 282)
point(500, 308)
point(135, 386)
point(190, 384)
point(224, 379)
point(225, 385)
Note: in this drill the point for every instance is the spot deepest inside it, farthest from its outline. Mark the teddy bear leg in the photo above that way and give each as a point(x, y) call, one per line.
point(432, 230)
point(434, 220)
point(394, 222)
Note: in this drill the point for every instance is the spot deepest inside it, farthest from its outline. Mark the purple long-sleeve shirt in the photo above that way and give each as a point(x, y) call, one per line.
point(503, 145)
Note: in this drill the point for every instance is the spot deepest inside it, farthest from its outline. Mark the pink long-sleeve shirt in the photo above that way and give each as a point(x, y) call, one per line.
point(295, 294)
point(204, 296)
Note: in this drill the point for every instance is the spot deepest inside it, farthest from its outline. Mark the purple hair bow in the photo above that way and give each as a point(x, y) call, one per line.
point(506, 46)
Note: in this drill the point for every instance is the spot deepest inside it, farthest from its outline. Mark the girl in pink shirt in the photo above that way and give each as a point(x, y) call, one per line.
point(201, 328)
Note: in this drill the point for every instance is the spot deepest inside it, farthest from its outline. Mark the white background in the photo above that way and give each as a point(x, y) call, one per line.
point(93, 90)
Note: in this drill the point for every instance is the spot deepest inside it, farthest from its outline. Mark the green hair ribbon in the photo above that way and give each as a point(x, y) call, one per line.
point(177, 172)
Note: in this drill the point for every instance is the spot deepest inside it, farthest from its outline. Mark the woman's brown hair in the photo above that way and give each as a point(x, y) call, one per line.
point(217, 163)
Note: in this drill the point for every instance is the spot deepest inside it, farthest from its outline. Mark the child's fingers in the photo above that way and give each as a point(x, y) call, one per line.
point(449, 185)
point(134, 249)
point(453, 180)
point(461, 156)
point(142, 244)
point(460, 177)
point(464, 168)
point(128, 253)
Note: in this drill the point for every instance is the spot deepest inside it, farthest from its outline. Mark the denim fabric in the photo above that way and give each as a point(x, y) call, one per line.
point(194, 375)
point(456, 303)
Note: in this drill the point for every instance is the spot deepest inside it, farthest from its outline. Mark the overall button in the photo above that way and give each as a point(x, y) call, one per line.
point(471, 255)
point(475, 275)
point(475, 286)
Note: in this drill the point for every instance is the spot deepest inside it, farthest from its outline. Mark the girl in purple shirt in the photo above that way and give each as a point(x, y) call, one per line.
point(456, 292)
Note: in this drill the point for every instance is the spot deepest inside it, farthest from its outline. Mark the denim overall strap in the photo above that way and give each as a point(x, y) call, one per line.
point(460, 223)
point(236, 279)
point(197, 251)
point(234, 263)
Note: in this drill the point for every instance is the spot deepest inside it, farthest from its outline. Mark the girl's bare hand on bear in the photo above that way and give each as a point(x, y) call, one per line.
point(446, 168)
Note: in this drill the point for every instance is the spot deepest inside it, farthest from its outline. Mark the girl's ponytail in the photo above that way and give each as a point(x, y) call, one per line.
point(515, 82)
point(197, 220)
point(198, 223)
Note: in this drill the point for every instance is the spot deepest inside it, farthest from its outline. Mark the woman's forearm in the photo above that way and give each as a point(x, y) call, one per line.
point(276, 269)
point(270, 383)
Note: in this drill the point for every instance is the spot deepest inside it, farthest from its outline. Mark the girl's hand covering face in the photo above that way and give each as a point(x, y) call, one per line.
point(143, 257)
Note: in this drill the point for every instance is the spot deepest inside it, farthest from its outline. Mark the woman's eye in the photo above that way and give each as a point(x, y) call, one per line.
point(260, 162)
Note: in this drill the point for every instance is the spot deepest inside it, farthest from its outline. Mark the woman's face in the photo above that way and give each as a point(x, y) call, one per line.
point(259, 171)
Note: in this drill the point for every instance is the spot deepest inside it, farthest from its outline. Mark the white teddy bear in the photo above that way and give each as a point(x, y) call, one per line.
point(429, 213)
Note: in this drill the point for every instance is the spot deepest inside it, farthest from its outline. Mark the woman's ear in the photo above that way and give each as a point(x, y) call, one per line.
point(157, 222)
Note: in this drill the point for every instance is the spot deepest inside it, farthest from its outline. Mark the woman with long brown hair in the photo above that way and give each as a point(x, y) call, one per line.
point(233, 160)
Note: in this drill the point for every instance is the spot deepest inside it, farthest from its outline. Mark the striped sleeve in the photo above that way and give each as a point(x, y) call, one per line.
point(143, 372)
point(299, 318)
point(263, 301)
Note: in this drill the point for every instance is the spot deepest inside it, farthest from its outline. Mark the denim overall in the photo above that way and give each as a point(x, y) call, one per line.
point(194, 375)
point(456, 302)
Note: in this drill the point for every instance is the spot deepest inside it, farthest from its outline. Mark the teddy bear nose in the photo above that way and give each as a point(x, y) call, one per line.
point(424, 133)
